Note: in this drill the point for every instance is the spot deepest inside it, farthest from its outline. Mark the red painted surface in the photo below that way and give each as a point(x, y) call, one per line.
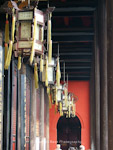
point(81, 89)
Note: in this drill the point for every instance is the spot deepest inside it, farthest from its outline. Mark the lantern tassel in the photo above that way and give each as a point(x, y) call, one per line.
point(42, 34)
point(46, 73)
point(60, 109)
point(48, 90)
point(49, 97)
point(19, 62)
point(65, 93)
point(33, 44)
point(50, 51)
point(49, 30)
point(58, 74)
point(13, 26)
point(9, 54)
point(7, 30)
point(41, 64)
point(6, 50)
point(36, 75)
point(32, 53)
point(56, 96)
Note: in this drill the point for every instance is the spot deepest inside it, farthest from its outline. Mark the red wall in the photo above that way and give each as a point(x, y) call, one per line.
point(81, 89)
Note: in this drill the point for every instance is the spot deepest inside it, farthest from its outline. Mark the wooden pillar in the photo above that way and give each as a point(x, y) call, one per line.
point(19, 112)
point(47, 121)
point(12, 103)
point(22, 105)
point(103, 75)
point(92, 107)
point(41, 126)
point(7, 109)
point(110, 73)
point(97, 87)
point(33, 117)
point(1, 91)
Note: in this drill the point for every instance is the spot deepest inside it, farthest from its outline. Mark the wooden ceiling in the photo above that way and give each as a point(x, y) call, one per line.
point(73, 29)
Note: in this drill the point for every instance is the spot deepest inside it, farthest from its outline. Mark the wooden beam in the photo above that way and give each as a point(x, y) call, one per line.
point(76, 38)
point(75, 9)
point(72, 33)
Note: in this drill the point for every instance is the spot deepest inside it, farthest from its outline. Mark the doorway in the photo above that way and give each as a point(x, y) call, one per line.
point(69, 132)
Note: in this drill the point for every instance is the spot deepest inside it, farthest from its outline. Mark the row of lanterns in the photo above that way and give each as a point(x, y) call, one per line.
point(27, 43)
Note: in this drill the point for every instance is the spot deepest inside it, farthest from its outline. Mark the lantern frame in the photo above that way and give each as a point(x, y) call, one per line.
point(51, 72)
point(65, 109)
point(60, 92)
point(25, 22)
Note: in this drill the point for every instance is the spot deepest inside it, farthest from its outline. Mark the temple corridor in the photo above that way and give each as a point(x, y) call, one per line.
point(56, 75)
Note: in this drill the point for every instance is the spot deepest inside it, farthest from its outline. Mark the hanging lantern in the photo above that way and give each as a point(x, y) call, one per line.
point(64, 108)
point(54, 95)
point(57, 94)
point(29, 33)
point(65, 99)
point(60, 93)
point(74, 111)
point(74, 100)
point(71, 105)
point(59, 98)
point(51, 72)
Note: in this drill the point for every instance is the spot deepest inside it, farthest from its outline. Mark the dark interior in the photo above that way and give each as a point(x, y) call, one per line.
point(69, 132)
